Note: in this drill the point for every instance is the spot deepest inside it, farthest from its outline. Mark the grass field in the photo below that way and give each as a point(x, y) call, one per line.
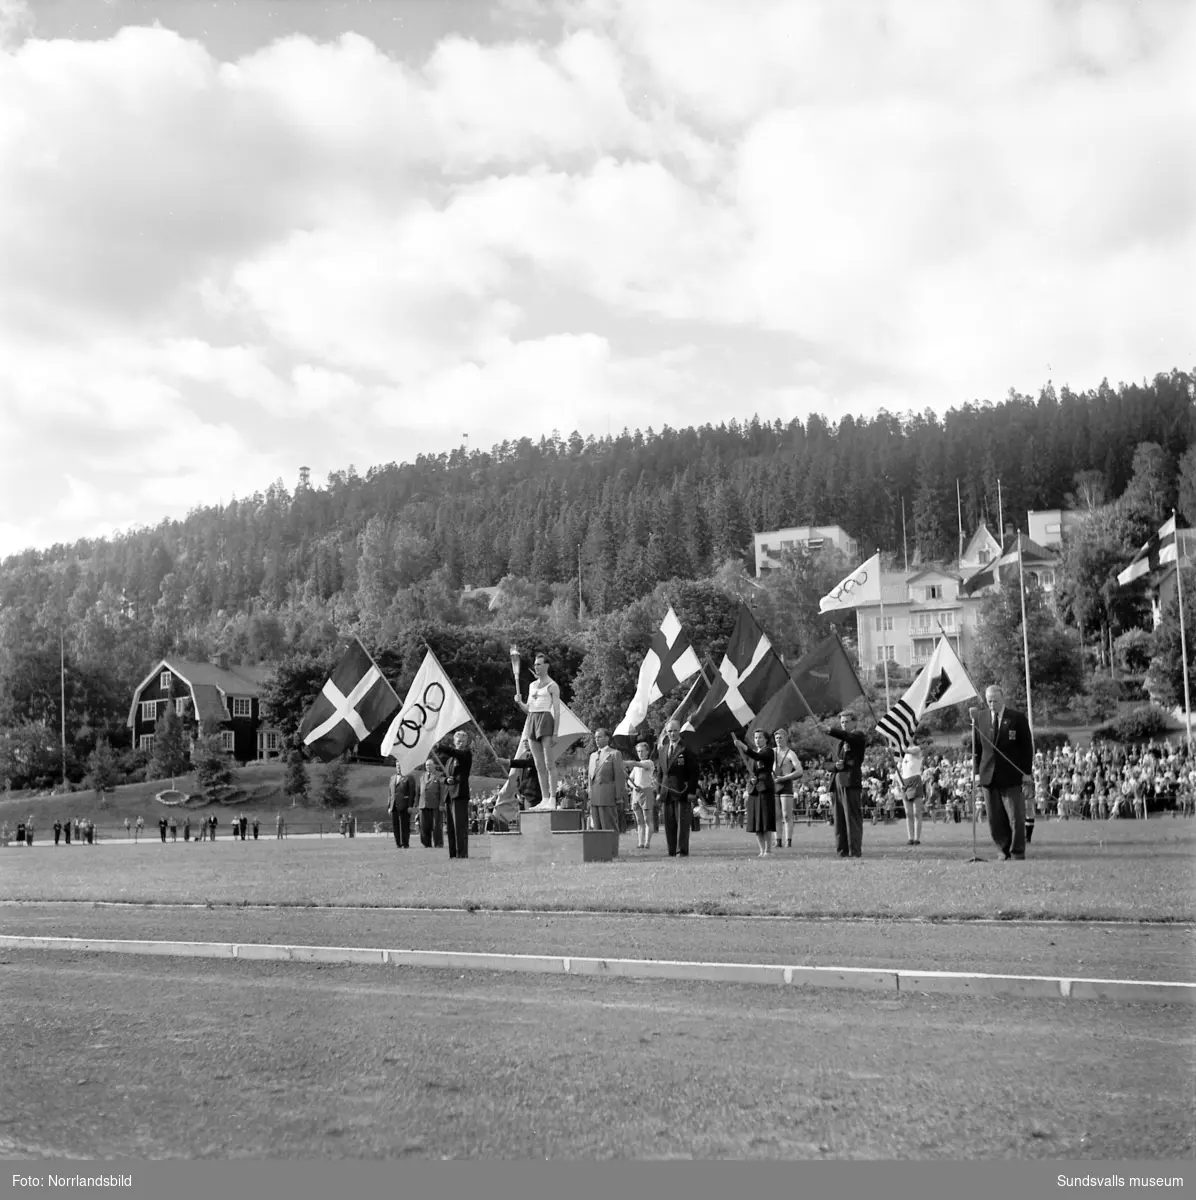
point(1112, 870)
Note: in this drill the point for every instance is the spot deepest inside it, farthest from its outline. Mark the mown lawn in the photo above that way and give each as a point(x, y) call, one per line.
point(1112, 870)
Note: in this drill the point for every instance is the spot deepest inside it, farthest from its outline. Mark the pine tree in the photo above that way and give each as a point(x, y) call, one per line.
point(213, 770)
point(101, 770)
point(297, 784)
point(334, 784)
point(169, 757)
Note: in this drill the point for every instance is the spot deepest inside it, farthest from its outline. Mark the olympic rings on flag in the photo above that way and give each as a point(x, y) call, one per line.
point(433, 702)
point(849, 584)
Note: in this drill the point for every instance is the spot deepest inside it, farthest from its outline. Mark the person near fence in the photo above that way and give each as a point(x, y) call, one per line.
point(607, 778)
point(456, 807)
point(279, 825)
point(1002, 760)
point(848, 778)
point(66, 830)
point(762, 792)
point(402, 797)
point(256, 826)
point(678, 775)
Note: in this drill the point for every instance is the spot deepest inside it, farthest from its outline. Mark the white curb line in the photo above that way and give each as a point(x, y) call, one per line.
point(858, 978)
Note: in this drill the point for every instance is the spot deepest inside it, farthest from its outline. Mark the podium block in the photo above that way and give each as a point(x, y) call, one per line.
point(554, 836)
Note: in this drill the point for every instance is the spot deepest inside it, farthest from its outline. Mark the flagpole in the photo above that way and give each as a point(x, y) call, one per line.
point(62, 697)
point(975, 853)
point(1000, 516)
point(959, 510)
point(1025, 635)
point(1183, 637)
point(884, 644)
point(904, 539)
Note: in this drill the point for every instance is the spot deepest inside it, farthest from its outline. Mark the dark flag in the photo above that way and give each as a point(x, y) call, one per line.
point(826, 679)
point(750, 675)
point(354, 702)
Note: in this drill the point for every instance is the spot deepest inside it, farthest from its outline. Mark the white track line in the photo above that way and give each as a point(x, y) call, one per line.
point(860, 978)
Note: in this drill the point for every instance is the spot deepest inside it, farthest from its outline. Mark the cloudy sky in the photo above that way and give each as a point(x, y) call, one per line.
point(245, 236)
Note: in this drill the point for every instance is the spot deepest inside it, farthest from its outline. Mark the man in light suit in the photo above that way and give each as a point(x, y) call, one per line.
point(608, 783)
point(678, 773)
point(1002, 758)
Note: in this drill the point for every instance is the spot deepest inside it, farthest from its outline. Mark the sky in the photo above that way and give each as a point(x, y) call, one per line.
point(241, 237)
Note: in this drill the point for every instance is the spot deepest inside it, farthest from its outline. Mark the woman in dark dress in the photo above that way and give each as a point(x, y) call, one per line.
point(762, 799)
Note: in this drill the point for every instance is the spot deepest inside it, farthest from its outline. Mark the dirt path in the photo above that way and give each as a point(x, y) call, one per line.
point(1072, 948)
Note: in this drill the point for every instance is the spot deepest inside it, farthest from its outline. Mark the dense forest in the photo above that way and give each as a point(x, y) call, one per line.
point(605, 520)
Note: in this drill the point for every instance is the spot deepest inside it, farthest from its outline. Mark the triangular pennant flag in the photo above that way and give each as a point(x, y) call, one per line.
point(942, 682)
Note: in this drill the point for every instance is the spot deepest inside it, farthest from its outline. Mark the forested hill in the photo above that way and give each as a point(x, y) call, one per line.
point(376, 553)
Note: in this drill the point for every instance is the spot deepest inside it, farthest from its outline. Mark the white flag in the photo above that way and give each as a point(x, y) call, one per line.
point(570, 730)
point(430, 713)
point(670, 661)
point(861, 587)
point(943, 682)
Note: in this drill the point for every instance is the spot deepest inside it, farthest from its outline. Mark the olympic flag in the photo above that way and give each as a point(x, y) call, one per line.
point(861, 587)
point(431, 712)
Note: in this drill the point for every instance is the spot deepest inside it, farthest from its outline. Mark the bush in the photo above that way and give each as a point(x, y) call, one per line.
point(297, 784)
point(1142, 725)
point(334, 784)
point(1101, 697)
point(213, 770)
point(1133, 651)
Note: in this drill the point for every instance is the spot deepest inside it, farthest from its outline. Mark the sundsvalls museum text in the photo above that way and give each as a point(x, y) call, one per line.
point(1119, 1181)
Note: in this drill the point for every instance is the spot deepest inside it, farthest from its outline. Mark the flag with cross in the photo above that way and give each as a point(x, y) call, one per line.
point(670, 661)
point(354, 702)
point(749, 676)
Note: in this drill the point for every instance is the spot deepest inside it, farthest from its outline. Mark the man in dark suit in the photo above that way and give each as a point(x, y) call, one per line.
point(456, 809)
point(1003, 756)
point(678, 771)
point(404, 795)
point(849, 787)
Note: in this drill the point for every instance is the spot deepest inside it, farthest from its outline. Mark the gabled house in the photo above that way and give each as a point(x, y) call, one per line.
point(218, 697)
point(982, 548)
point(1038, 564)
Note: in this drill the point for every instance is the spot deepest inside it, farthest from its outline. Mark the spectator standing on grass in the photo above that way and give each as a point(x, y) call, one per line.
point(1001, 762)
point(128, 828)
point(174, 828)
point(162, 829)
point(762, 794)
point(57, 831)
point(678, 775)
point(432, 794)
point(66, 829)
point(641, 779)
point(256, 826)
point(278, 824)
point(212, 823)
point(402, 796)
point(138, 828)
point(909, 779)
point(787, 770)
point(607, 777)
point(29, 831)
point(848, 778)
point(186, 829)
point(457, 771)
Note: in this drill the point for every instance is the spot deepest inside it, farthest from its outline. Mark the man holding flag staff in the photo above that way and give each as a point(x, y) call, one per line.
point(1002, 760)
point(849, 783)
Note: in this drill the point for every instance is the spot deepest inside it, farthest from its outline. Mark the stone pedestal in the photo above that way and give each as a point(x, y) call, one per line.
point(553, 836)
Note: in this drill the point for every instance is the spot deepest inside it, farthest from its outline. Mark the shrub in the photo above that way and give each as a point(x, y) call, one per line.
point(1132, 651)
point(213, 770)
point(1101, 696)
point(334, 784)
point(297, 784)
point(1141, 725)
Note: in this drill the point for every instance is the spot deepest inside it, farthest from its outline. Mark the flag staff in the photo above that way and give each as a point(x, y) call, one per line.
point(1000, 516)
point(1025, 634)
point(1183, 637)
point(959, 510)
point(904, 539)
point(62, 697)
point(884, 641)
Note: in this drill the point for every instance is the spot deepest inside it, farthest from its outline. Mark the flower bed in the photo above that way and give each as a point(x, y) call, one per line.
point(172, 798)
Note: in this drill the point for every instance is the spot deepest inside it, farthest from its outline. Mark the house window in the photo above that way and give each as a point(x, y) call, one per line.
point(242, 706)
point(164, 681)
point(145, 742)
point(269, 740)
point(934, 591)
point(226, 740)
point(786, 545)
point(883, 652)
point(924, 620)
point(984, 557)
point(888, 624)
point(149, 710)
point(180, 706)
point(948, 620)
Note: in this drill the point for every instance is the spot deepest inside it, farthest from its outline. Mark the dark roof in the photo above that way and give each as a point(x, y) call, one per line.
point(209, 707)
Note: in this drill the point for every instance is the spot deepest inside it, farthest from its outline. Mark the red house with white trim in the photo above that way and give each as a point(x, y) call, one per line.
point(218, 697)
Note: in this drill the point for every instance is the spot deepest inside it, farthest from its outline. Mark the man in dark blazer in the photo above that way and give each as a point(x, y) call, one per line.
point(456, 809)
point(678, 771)
point(1002, 757)
point(404, 796)
point(849, 785)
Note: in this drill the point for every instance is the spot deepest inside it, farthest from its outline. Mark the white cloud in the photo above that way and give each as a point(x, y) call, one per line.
point(205, 265)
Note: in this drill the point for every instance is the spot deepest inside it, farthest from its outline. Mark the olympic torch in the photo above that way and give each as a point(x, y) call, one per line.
point(516, 660)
